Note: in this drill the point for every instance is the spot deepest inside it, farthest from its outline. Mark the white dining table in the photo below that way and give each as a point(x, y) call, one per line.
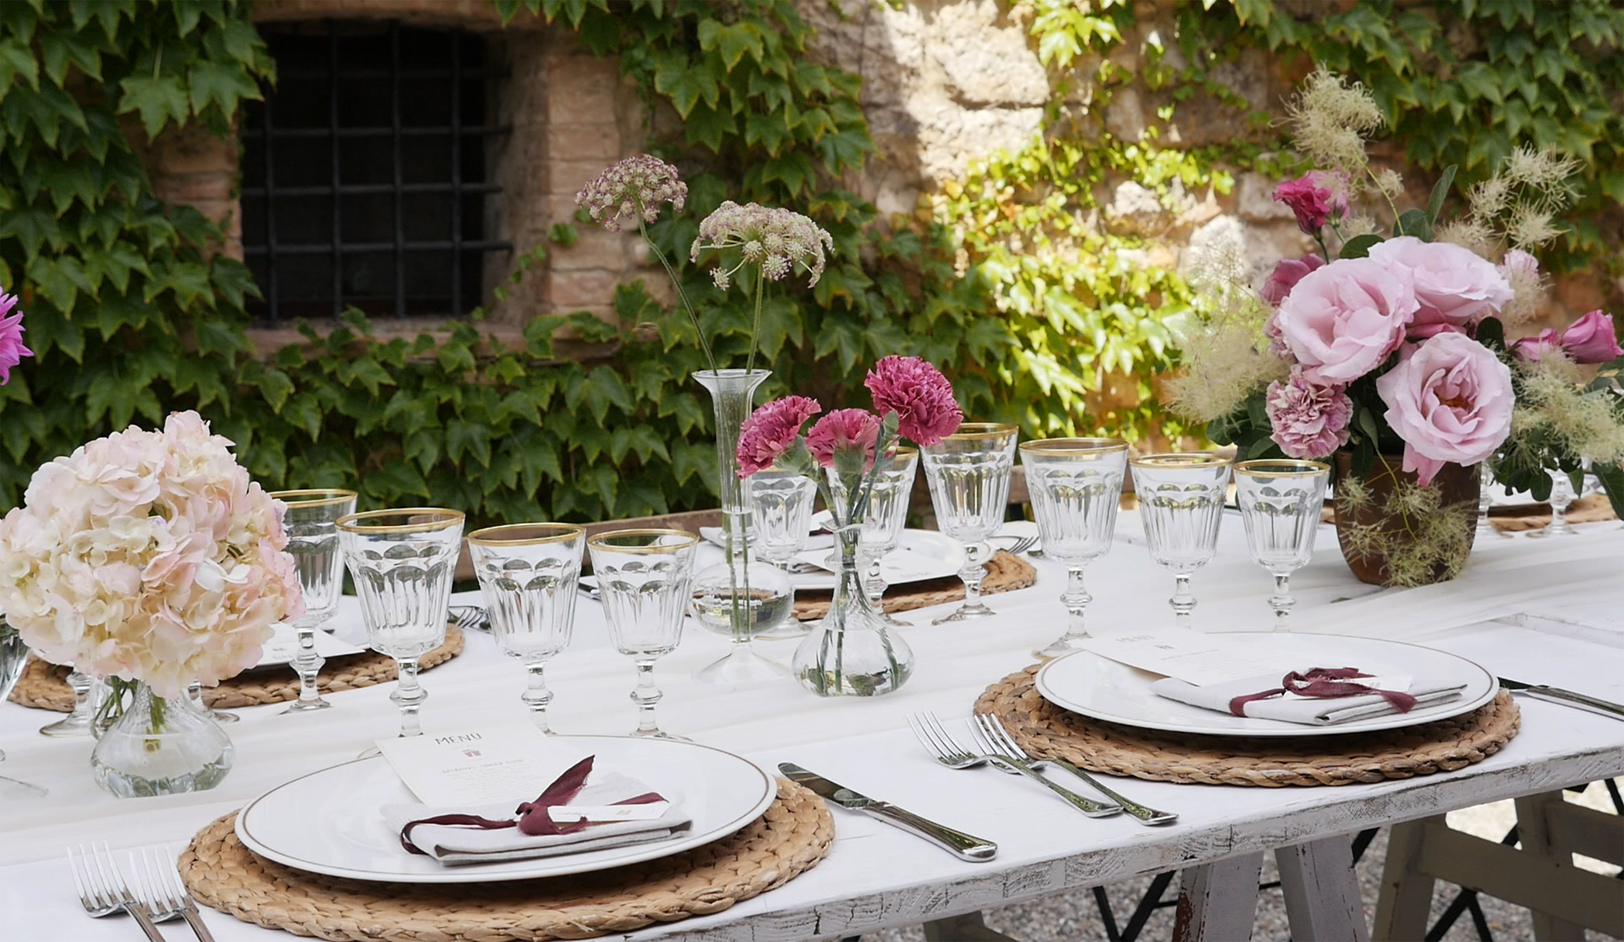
point(1543, 611)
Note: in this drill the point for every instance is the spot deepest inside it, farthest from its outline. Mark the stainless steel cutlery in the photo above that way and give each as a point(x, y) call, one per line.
point(1565, 697)
point(994, 730)
point(937, 741)
point(158, 895)
point(962, 845)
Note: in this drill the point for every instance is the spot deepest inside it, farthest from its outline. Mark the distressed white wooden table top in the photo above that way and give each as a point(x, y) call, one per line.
point(876, 876)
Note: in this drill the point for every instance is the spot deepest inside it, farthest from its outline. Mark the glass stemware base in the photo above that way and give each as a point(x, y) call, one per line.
point(87, 693)
point(975, 559)
point(1076, 599)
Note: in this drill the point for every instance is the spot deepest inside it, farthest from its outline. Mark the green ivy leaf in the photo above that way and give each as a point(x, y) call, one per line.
point(159, 101)
point(1359, 246)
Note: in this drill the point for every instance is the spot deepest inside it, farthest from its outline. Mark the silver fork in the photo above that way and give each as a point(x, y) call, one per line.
point(467, 617)
point(165, 891)
point(936, 740)
point(1021, 545)
point(102, 891)
point(1001, 741)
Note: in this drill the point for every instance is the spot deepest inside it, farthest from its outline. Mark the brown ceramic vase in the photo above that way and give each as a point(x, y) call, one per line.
point(1459, 483)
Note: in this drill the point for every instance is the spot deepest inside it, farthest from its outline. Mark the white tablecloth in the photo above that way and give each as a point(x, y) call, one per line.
point(876, 875)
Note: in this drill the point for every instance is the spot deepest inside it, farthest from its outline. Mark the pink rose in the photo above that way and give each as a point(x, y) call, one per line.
point(1454, 287)
point(1287, 272)
point(919, 394)
point(1309, 199)
point(1449, 398)
point(1341, 321)
point(1533, 349)
point(842, 432)
point(771, 430)
point(1308, 421)
point(1591, 339)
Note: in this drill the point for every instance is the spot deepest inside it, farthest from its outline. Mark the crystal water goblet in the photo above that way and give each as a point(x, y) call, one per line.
point(1485, 499)
point(1076, 488)
point(883, 521)
point(13, 656)
point(1280, 501)
point(528, 574)
point(968, 473)
point(781, 514)
point(644, 579)
point(1181, 503)
point(1561, 497)
point(781, 503)
point(402, 562)
point(311, 522)
point(88, 693)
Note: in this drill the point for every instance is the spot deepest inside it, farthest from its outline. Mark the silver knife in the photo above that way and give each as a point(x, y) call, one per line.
point(962, 845)
point(1567, 697)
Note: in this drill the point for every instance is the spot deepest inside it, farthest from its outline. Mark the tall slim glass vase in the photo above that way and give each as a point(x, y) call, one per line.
point(739, 596)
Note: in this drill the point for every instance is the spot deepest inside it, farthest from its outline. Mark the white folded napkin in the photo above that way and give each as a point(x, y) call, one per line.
point(1311, 711)
point(452, 844)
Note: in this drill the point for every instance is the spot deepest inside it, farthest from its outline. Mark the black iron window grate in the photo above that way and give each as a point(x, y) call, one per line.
point(365, 172)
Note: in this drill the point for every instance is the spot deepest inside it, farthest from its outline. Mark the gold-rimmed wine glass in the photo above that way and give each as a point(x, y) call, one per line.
point(529, 574)
point(1280, 501)
point(644, 579)
point(311, 521)
point(1076, 488)
point(1181, 503)
point(402, 562)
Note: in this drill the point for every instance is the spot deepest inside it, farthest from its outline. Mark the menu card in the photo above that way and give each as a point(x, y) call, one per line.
point(1190, 657)
point(283, 647)
point(481, 765)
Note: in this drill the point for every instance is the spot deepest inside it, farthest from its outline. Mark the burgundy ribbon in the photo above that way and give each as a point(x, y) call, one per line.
point(532, 815)
point(1324, 683)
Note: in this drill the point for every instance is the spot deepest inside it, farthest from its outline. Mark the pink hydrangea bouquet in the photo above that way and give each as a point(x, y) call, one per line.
point(1388, 347)
point(148, 556)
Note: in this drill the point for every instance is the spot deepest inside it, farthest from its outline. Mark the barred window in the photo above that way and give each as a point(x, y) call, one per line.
point(364, 176)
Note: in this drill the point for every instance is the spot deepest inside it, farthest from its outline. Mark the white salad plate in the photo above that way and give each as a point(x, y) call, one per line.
point(329, 821)
point(920, 555)
point(1103, 689)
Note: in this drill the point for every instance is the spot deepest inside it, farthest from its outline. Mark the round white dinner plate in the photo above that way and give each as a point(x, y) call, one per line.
point(1103, 689)
point(329, 821)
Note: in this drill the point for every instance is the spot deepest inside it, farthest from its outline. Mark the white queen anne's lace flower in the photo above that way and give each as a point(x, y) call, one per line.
point(634, 188)
point(148, 556)
point(776, 239)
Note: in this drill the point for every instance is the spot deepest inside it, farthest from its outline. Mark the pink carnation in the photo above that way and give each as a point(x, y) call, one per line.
point(1310, 199)
point(919, 394)
point(1309, 421)
point(771, 430)
point(841, 432)
point(12, 350)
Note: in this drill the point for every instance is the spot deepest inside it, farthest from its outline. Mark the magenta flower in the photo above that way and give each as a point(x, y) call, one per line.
point(919, 394)
point(771, 430)
point(1287, 272)
point(1309, 199)
point(842, 431)
point(12, 350)
point(1309, 421)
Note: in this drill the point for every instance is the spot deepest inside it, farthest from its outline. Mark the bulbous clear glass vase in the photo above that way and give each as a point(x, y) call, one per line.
point(854, 651)
point(161, 746)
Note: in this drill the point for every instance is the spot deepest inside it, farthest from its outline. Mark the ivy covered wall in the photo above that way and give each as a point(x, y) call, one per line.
point(1043, 278)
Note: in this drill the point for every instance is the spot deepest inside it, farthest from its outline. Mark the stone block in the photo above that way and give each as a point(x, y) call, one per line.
point(1254, 200)
point(581, 142)
point(1125, 116)
point(985, 57)
point(193, 149)
point(1136, 210)
point(581, 90)
point(598, 248)
point(195, 187)
point(572, 290)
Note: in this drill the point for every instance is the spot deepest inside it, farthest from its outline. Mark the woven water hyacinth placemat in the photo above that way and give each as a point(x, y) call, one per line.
point(1511, 518)
point(1005, 573)
point(1047, 731)
point(788, 840)
point(44, 686)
